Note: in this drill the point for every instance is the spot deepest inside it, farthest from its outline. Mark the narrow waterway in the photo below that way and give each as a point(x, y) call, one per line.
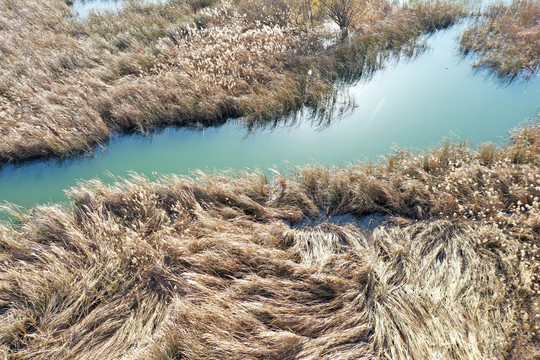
point(413, 103)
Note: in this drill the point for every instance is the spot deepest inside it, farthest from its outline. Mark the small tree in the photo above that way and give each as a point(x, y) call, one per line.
point(342, 12)
point(306, 12)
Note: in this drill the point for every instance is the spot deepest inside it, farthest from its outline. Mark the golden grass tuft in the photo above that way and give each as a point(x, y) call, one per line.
point(215, 266)
point(507, 39)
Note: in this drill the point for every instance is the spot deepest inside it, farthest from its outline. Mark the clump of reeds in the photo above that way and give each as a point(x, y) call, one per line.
point(211, 266)
point(390, 33)
point(507, 39)
point(66, 84)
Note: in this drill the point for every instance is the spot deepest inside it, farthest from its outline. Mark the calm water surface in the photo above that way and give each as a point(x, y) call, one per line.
point(413, 103)
point(82, 8)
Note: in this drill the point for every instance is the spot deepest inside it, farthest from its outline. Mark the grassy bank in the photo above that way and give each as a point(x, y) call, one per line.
point(66, 85)
point(212, 267)
point(507, 39)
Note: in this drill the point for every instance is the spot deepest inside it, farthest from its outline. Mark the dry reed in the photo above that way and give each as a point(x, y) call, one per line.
point(66, 84)
point(507, 39)
point(211, 266)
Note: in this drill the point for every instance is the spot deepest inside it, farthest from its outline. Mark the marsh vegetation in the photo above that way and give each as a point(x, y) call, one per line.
point(66, 84)
point(212, 267)
point(507, 39)
point(243, 265)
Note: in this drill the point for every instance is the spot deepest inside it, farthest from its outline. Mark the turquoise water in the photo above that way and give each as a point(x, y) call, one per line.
point(82, 8)
point(414, 103)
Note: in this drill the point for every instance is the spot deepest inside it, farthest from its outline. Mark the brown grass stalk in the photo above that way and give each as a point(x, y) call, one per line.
point(507, 39)
point(212, 266)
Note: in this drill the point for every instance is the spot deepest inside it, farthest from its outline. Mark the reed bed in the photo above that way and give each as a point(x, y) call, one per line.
point(67, 84)
point(213, 267)
point(507, 39)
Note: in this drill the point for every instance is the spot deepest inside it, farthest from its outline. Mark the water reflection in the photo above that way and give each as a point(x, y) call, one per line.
point(83, 8)
point(414, 103)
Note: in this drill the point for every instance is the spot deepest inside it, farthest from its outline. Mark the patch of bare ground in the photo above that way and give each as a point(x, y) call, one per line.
point(208, 267)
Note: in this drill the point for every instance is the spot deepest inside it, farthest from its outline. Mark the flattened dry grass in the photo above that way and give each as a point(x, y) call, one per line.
point(210, 267)
point(65, 85)
point(507, 39)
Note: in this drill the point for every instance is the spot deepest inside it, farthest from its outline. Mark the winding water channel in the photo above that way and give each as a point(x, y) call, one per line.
point(413, 103)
